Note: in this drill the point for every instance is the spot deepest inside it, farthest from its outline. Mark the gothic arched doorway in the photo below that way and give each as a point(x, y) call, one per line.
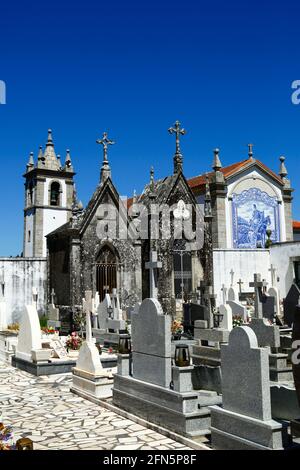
point(106, 271)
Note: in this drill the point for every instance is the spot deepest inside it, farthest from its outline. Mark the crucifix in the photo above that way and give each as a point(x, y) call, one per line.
point(231, 275)
point(88, 309)
point(105, 141)
point(153, 265)
point(178, 132)
point(273, 271)
point(240, 283)
point(224, 291)
point(258, 285)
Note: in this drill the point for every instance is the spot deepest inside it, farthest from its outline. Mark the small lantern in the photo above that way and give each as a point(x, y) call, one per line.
point(218, 317)
point(110, 311)
point(24, 444)
point(125, 344)
point(182, 355)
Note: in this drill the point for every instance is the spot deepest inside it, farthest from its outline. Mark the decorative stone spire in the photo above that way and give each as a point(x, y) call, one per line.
point(68, 161)
point(105, 169)
point(207, 203)
point(217, 165)
point(41, 158)
point(30, 163)
point(178, 158)
point(282, 170)
point(152, 194)
point(250, 151)
point(59, 162)
point(51, 161)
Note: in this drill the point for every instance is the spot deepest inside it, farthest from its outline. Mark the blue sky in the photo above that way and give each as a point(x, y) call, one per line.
point(224, 69)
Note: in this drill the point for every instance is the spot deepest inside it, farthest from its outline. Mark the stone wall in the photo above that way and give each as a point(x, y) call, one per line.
point(20, 276)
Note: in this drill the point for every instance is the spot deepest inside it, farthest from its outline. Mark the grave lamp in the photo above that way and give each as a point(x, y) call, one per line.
point(110, 311)
point(182, 355)
point(24, 444)
point(125, 344)
point(218, 317)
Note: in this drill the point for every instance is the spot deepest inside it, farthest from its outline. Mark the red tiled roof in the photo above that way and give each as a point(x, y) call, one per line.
point(198, 182)
point(296, 225)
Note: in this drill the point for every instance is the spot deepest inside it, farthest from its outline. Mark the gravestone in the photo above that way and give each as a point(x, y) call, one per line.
point(148, 386)
point(96, 302)
point(90, 380)
point(116, 323)
point(267, 334)
point(103, 314)
point(273, 292)
point(29, 339)
point(226, 322)
point(151, 344)
point(290, 303)
point(53, 313)
point(245, 421)
point(268, 305)
point(231, 295)
point(191, 313)
point(238, 310)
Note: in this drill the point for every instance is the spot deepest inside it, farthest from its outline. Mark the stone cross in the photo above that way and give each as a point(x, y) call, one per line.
point(178, 132)
point(258, 284)
point(231, 275)
point(105, 141)
point(88, 309)
point(240, 283)
point(273, 271)
point(52, 297)
point(153, 264)
point(224, 291)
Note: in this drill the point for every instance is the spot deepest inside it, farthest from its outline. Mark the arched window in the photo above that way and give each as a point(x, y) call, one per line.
point(55, 194)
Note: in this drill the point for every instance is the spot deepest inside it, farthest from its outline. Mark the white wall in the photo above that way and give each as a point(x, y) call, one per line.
point(244, 264)
point(283, 256)
point(20, 276)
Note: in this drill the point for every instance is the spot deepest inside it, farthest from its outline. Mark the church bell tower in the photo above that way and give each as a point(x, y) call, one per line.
point(48, 197)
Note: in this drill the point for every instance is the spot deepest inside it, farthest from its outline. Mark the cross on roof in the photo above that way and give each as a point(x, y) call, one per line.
point(105, 141)
point(178, 132)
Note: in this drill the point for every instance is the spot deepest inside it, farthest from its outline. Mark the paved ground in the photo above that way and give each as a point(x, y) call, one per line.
point(44, 409)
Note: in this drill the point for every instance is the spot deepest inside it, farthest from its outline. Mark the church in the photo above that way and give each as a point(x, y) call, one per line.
point(235, 220)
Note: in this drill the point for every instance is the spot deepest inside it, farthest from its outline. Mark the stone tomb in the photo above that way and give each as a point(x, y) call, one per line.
point(148, 386)
point(245, 421)
point(111, 325)
point(29, 347)
point(89, 378)
point(268, 335)
point(207, 354)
